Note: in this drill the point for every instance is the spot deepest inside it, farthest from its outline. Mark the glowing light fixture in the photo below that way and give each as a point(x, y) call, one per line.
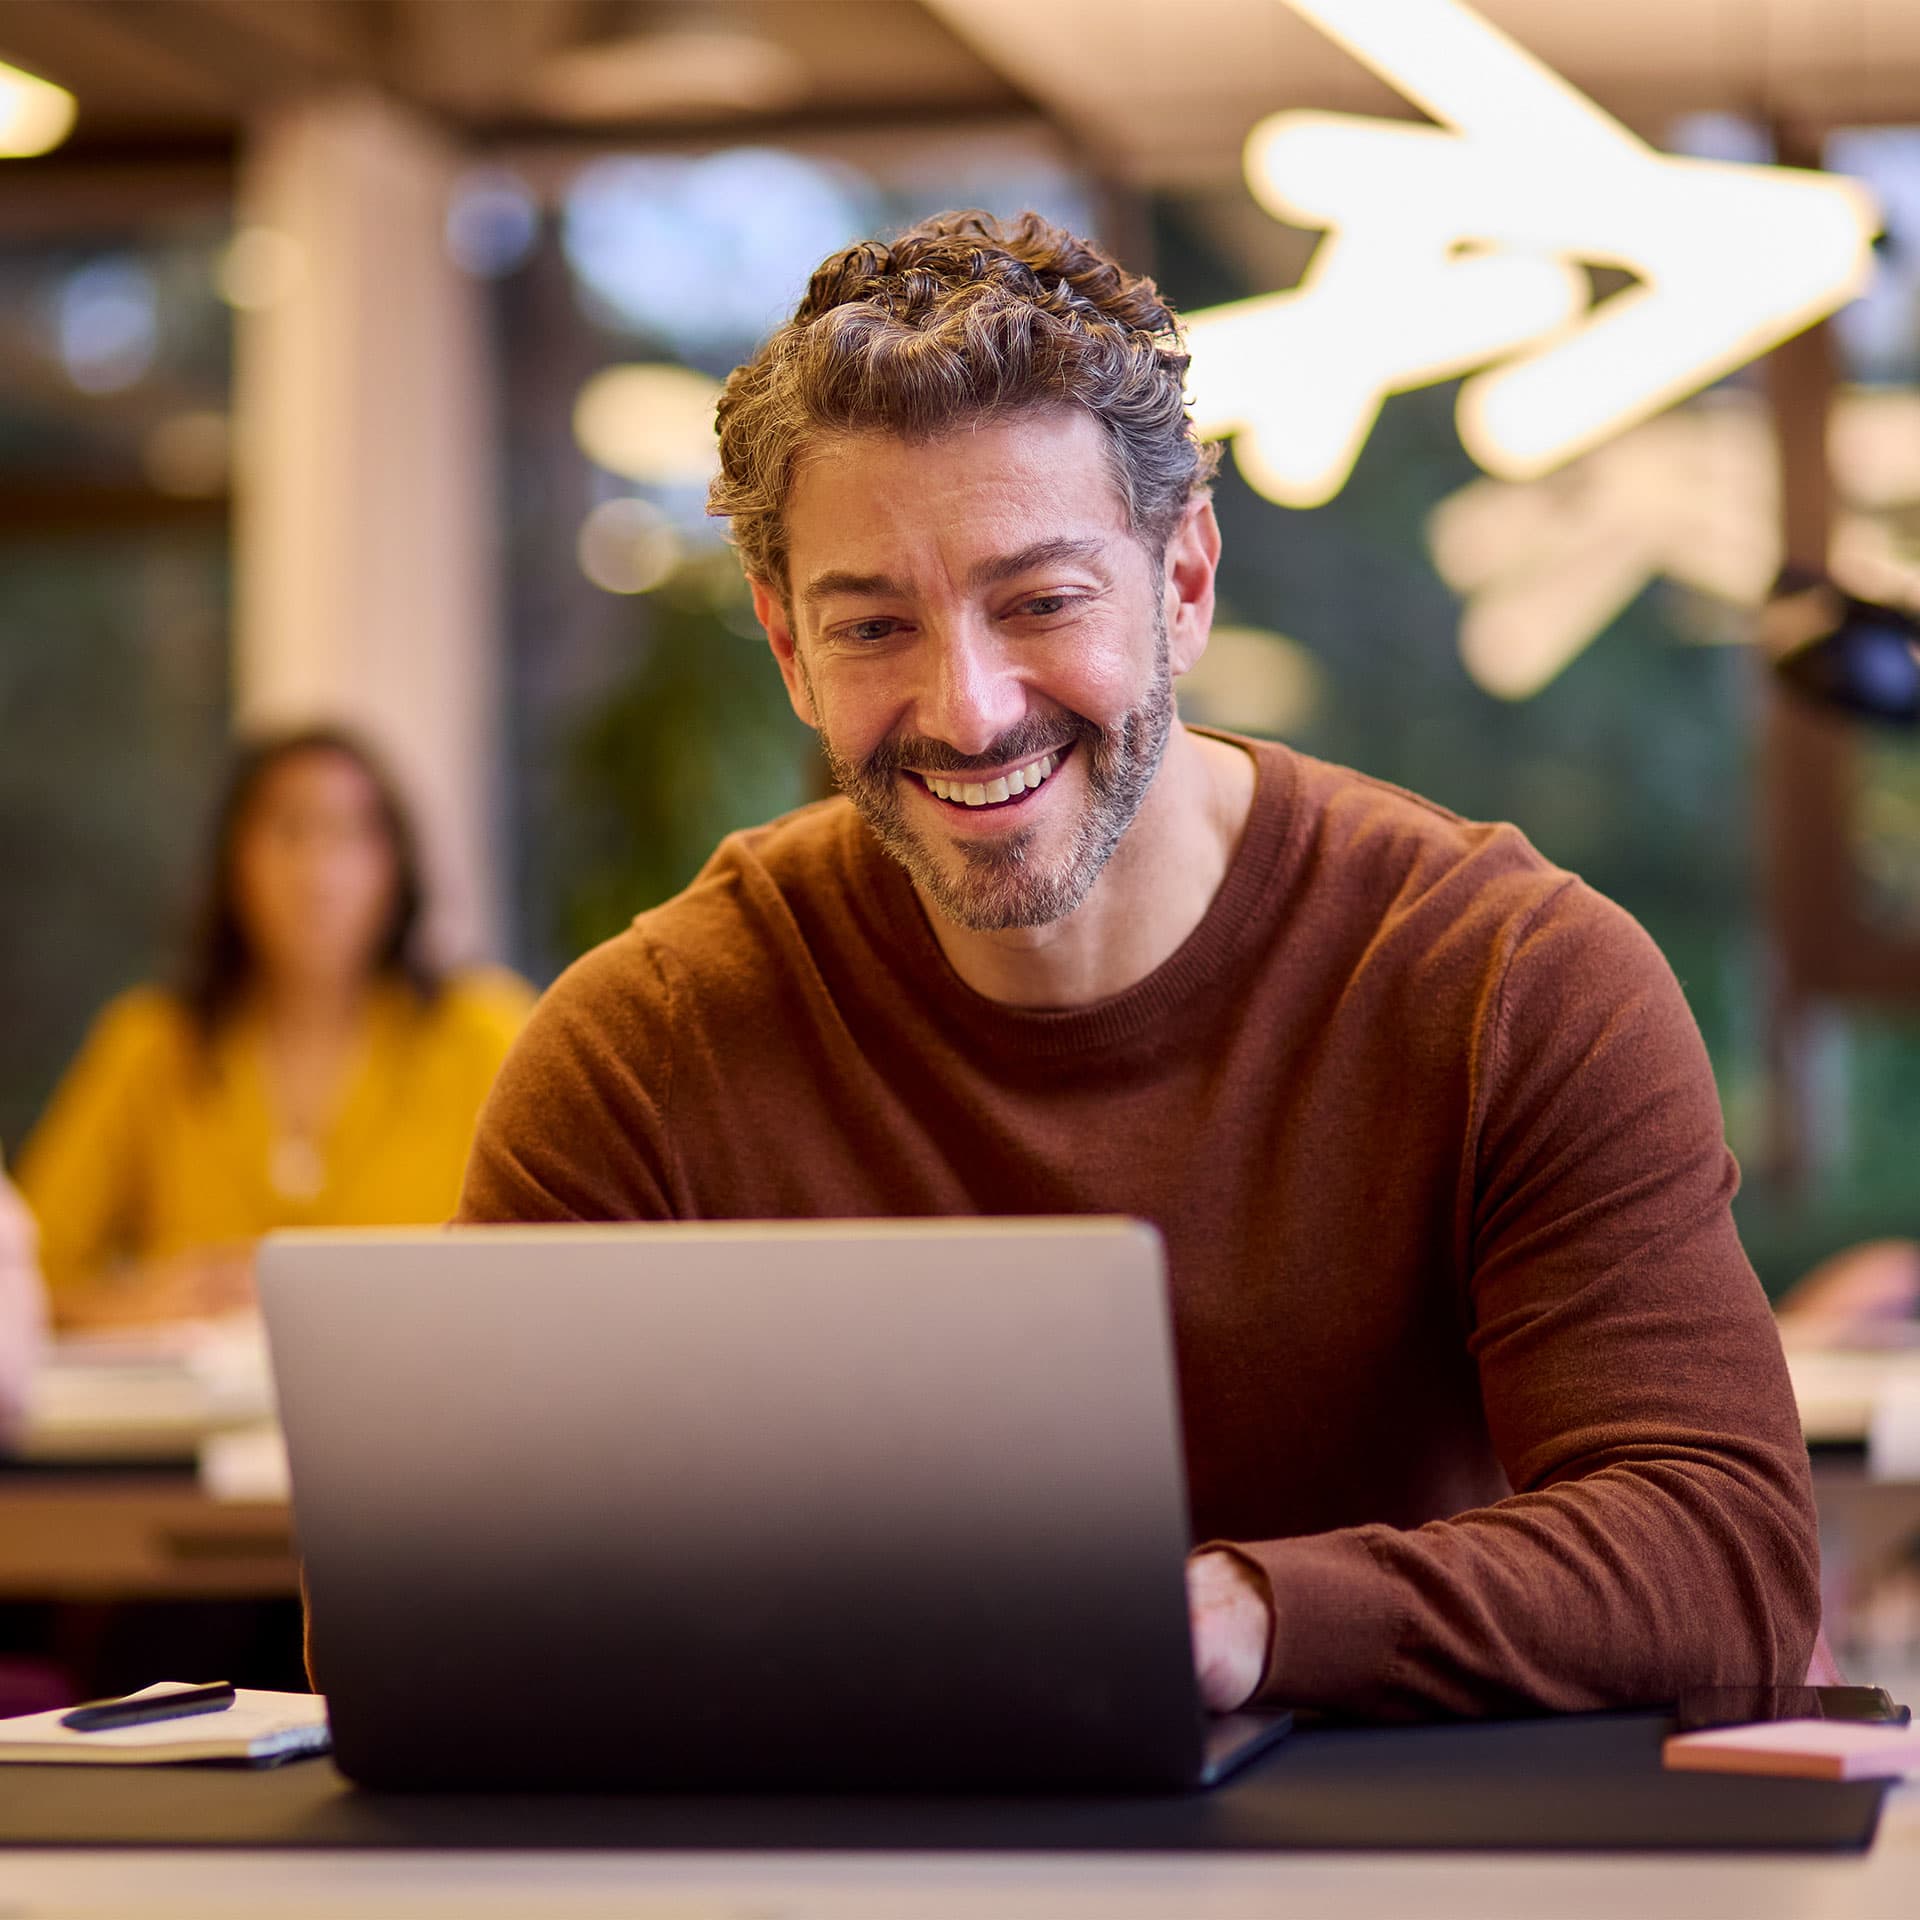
point(650, 422)
point(35, 115)
point(1449, 247)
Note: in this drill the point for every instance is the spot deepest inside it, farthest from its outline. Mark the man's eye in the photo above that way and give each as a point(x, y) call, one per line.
point(869, 629)
point(1041, 605)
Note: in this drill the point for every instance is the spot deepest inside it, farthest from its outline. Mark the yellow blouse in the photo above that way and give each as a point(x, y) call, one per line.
point(150, 1147)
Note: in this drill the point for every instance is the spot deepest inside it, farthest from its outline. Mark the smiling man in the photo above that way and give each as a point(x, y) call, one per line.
point(1484, 1408)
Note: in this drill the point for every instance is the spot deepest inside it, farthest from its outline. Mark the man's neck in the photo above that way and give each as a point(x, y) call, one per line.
point(1150, 896)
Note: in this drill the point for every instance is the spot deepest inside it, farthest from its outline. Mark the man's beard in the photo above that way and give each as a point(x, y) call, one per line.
point(999, 885)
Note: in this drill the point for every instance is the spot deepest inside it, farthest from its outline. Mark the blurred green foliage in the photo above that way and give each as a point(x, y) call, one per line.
point(1635, 769)
point(695, 740)
point(113, 722)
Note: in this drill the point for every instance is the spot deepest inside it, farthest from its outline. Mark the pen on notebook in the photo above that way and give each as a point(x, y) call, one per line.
point(140, 1708)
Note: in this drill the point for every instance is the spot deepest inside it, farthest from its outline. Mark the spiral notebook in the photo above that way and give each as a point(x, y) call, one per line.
point(258, 1730)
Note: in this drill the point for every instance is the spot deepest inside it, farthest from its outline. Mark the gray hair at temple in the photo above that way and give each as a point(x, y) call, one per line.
point(958, 319)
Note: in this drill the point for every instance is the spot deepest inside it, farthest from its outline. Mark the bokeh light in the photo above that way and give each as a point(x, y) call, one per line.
point(1881, 329)
point(259, 268)
point(628, 546)
point(106, 325)
point(493, 222)
point(1253, 681)
point(706, 254)
point(651, 422)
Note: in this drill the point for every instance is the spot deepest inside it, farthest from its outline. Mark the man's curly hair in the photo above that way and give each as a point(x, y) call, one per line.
point(960, 318)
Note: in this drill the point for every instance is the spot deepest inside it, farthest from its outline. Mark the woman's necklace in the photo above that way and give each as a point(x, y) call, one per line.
point(303, 1083)
point(296, 1167)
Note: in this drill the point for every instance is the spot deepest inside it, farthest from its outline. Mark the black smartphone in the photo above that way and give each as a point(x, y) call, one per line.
point(1702, 1707)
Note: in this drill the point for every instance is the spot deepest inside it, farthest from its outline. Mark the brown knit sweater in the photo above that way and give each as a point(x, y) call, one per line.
point(1473, 1367)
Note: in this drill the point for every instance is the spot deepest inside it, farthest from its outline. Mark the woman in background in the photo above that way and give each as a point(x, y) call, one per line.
point(310, 1070)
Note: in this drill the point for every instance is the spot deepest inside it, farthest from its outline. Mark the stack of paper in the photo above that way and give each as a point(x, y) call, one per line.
point(151, 1393)
point(259, 1729)
point(246, 1466)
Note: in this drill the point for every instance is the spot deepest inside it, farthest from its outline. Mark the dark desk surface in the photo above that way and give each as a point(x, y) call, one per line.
point(1585, 1783)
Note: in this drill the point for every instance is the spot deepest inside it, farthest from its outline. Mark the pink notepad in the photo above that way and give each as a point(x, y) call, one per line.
point(1811, 1749)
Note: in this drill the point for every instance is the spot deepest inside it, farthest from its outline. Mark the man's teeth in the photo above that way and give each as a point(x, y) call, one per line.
point(973, 794)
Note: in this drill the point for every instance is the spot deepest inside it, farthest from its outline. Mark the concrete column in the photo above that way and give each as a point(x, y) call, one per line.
point(365, 501)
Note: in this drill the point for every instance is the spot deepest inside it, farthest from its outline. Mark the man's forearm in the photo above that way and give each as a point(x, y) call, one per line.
point(1617, 1589)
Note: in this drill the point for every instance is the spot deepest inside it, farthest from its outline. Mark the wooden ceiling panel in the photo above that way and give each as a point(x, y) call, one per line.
point(258, 54)
point(881, 51)
point(145, 68)
point(1161, 91)
point(478, 70)
point(122, 80)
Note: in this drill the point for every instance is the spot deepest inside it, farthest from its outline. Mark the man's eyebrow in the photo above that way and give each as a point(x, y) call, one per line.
point(986, 573)
point(1043, 553)
point(869, 586)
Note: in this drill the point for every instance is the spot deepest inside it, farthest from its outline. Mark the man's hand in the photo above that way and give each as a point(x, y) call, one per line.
point(1232, 1623)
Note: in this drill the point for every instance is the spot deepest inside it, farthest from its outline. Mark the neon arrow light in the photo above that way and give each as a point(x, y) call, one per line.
point(1453, 246)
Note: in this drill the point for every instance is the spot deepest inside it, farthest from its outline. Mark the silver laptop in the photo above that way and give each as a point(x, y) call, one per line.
point(888, 1504)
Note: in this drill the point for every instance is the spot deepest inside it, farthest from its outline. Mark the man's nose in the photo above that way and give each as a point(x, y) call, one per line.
point(972, 695)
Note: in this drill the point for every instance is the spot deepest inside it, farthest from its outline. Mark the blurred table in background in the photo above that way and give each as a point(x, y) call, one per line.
point(94, 1534)
point(1866, 1399)
point(148, 1395)
point(150, 1469)
point(1860, 1410)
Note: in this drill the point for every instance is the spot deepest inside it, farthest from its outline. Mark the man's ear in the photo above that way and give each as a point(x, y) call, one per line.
point(770, 609)
point(1193, 557)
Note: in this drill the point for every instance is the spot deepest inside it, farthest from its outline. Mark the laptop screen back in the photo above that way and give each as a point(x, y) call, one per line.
point(818, 1505)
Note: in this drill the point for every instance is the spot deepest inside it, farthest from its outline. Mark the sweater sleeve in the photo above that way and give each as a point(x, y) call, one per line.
point(1661, 1531)
point(576, 1125)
